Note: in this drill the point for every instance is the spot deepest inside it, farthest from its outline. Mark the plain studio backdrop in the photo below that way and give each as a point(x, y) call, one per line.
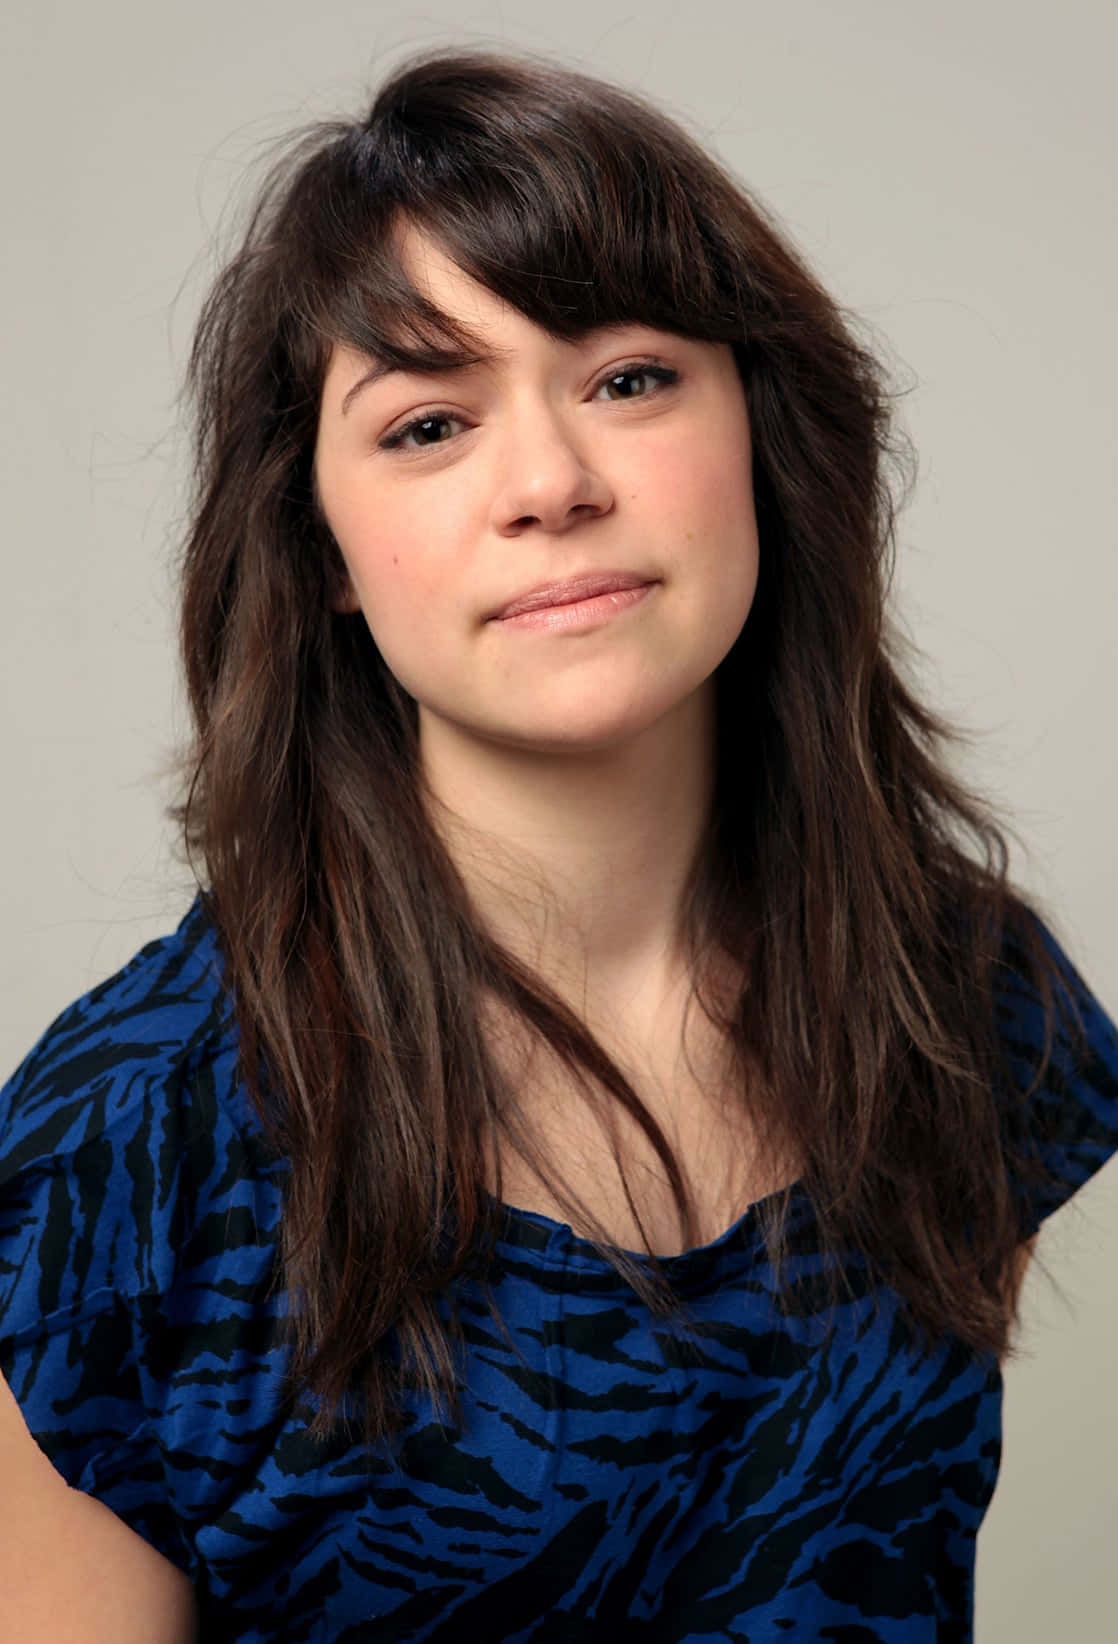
point(947, 170)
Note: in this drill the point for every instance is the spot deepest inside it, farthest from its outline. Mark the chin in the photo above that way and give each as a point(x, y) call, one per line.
point(571, 736)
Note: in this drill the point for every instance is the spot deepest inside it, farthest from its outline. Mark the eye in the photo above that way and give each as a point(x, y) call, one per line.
point(395, 442)
point(657, 373)
point(427, 421)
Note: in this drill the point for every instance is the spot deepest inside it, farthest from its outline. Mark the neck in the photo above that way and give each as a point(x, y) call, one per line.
point(576, 862)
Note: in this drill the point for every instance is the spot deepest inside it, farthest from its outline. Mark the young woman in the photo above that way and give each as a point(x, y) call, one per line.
point(570, 1171)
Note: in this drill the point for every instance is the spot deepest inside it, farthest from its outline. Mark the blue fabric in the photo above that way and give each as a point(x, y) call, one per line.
point(609, 1481)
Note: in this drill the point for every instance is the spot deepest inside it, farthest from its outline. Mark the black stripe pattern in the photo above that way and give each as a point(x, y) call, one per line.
point(611, 1480)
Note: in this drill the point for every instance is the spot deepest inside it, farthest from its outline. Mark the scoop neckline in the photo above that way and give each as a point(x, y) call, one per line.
point(556, 1241)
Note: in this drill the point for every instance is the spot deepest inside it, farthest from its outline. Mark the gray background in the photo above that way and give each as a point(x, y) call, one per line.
point(949, 172)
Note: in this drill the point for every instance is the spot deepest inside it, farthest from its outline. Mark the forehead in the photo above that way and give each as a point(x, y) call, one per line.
point(498, 334)
point(434, 273)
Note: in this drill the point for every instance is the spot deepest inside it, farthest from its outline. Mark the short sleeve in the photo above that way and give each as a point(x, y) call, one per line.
point(125, 1170)
point(1072, 1114)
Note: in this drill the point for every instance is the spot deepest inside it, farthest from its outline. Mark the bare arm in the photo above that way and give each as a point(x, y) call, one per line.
point(71, 1571)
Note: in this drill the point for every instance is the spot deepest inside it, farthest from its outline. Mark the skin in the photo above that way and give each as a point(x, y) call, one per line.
point(576, 764)
point(71, 1571)
point(585, 755)
point(582, 759)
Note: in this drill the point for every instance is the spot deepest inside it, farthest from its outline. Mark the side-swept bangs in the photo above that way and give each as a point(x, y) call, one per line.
point(579, 214)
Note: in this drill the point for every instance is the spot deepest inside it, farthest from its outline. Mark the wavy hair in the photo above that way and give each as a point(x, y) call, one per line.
point(861, 888)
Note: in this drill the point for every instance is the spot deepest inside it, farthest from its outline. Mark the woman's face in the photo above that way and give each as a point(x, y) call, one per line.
point(539, 468)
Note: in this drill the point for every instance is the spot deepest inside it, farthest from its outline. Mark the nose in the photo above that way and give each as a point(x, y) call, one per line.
point(549, 477)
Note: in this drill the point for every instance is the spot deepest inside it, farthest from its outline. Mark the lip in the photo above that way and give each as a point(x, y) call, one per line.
point(572, 589)
point(578, 615)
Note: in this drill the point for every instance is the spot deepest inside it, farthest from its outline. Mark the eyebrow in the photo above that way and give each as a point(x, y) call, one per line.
point(381, 369)
point(484, 361)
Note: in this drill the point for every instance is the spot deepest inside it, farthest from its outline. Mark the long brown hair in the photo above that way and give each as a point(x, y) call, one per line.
point(839, 868)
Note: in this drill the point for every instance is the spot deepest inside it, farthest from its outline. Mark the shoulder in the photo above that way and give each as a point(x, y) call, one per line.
point(139, 1217)
point(1064, 1060)
point(146, 1020)
point(125, 1126)
point(1079, 1035)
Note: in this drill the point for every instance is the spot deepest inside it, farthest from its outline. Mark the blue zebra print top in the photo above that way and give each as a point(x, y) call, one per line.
point(602, 1487)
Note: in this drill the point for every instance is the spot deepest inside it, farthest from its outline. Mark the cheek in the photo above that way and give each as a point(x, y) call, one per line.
point(705, 475)
point(723, 475)
point(403, 599)
point(387, 566)
point(706, 494)
point(400, 596)
point(709, 493)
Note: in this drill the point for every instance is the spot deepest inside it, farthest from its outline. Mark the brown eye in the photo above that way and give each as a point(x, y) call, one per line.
point(657, 373)
point(394, 441)
point(428, 420)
